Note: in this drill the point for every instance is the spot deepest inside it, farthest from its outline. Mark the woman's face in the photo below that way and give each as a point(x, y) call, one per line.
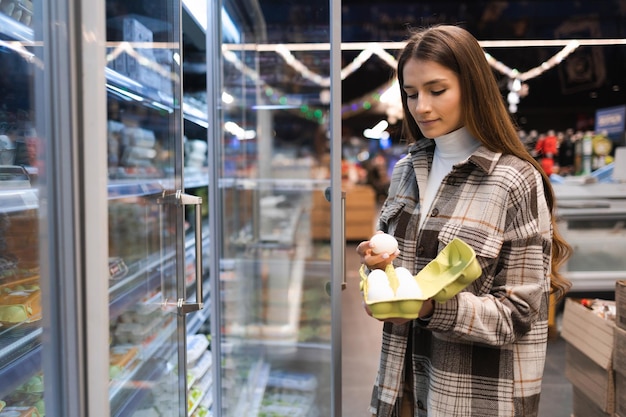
point(433, 97)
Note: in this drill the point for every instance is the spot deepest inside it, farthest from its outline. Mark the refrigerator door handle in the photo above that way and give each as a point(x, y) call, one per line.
point(181, 199)
point(344, 283)
point(342, 221)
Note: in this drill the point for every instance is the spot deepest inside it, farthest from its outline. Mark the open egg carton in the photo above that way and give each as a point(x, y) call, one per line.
point(396, 293)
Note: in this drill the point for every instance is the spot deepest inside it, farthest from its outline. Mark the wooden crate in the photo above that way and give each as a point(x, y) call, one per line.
point(589, 356)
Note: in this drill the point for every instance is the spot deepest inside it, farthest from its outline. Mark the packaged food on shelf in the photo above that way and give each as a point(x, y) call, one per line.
point(20, 236)
point(287, 403)
point(200, 368)
point(147, 412)
point(197, 344)
point(138, 333)
point(20, 301)
point(198, 391)
point(7, 150)
point(292, 380)
point(137, 228)
point(145, 311)
point(19, 10)
point(20, 412)
point(33, 385)
point(121, 358)
point(195, 153)
point(114, 129)
point(117, 268)
point(204, 407)
point(29, 394)
point(201, 412)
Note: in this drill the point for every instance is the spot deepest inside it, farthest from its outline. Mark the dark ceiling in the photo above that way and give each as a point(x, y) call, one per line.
point(565, 96)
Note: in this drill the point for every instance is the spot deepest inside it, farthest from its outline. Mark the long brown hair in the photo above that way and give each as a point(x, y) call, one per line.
point(484, 113)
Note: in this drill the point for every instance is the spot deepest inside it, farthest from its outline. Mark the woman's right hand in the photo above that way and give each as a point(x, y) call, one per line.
point(373, 260)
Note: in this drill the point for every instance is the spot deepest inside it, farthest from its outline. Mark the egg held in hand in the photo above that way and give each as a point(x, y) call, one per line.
point(383, 243)
point(378, 288)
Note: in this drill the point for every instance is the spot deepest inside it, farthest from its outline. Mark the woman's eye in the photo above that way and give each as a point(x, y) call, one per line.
point(411, 96)
point(438, 92)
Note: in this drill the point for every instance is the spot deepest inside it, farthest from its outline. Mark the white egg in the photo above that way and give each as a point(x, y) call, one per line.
point(409, 292)
point(377, 277)
point(407, 285)
point(378, 287)
point(383, 243)
point(403, 273)
point(379, 293)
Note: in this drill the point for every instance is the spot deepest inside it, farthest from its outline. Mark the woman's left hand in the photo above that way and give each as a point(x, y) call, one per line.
point(427, 309)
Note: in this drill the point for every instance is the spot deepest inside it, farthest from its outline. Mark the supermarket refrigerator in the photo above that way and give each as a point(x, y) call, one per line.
point(165, 244)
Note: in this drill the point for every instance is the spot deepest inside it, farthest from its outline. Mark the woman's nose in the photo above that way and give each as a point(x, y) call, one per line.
point(422, 104)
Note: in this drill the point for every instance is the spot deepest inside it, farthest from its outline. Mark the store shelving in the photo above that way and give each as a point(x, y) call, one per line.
point(14, 29)
point(18, 200)
point(592, 219)
point(20, 350)
point(260, 235)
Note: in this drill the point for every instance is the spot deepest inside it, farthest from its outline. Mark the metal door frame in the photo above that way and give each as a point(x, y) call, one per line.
point(73, 198)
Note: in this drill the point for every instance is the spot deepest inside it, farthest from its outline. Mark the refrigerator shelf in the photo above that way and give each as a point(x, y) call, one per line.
point(15, 30)
point(18, 200)
point(144, 277)
point(130, 398)
point(117, 84)
point(20, 350)
point(199, 391)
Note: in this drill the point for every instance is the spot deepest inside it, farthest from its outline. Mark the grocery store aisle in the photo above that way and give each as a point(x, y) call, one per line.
point(361, 346)
point(360, 343)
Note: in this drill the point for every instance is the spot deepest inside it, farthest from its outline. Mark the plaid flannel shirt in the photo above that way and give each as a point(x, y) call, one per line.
point(483, 352)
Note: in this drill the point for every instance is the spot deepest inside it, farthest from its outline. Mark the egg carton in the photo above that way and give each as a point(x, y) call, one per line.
point(445, 276)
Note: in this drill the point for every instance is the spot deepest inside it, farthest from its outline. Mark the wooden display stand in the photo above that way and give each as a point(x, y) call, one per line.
point(361, 213)
point(320, 216)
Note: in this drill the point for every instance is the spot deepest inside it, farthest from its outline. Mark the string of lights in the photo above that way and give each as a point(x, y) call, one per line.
point(387, 94)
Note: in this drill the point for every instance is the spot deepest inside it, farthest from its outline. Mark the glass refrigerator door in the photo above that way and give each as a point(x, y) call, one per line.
point(149, 286)
point(21, 376)
point(272, 217)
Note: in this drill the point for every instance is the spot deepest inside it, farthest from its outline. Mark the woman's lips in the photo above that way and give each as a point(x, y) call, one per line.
point(426, 122)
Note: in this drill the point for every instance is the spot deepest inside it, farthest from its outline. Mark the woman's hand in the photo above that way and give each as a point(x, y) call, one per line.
point(428, 307)
point(373, 260)
point(380, 261)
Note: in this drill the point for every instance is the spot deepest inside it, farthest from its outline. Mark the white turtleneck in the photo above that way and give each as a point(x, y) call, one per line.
point(450, 149)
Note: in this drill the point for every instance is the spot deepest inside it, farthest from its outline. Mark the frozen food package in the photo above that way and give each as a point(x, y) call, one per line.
point(20, 301)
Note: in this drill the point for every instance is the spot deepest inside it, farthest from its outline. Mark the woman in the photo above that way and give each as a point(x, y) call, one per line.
point(467, 175)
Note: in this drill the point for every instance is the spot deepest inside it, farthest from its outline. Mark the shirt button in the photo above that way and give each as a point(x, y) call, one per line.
point(434, 213)
point(420, 250)
point(420, 405)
